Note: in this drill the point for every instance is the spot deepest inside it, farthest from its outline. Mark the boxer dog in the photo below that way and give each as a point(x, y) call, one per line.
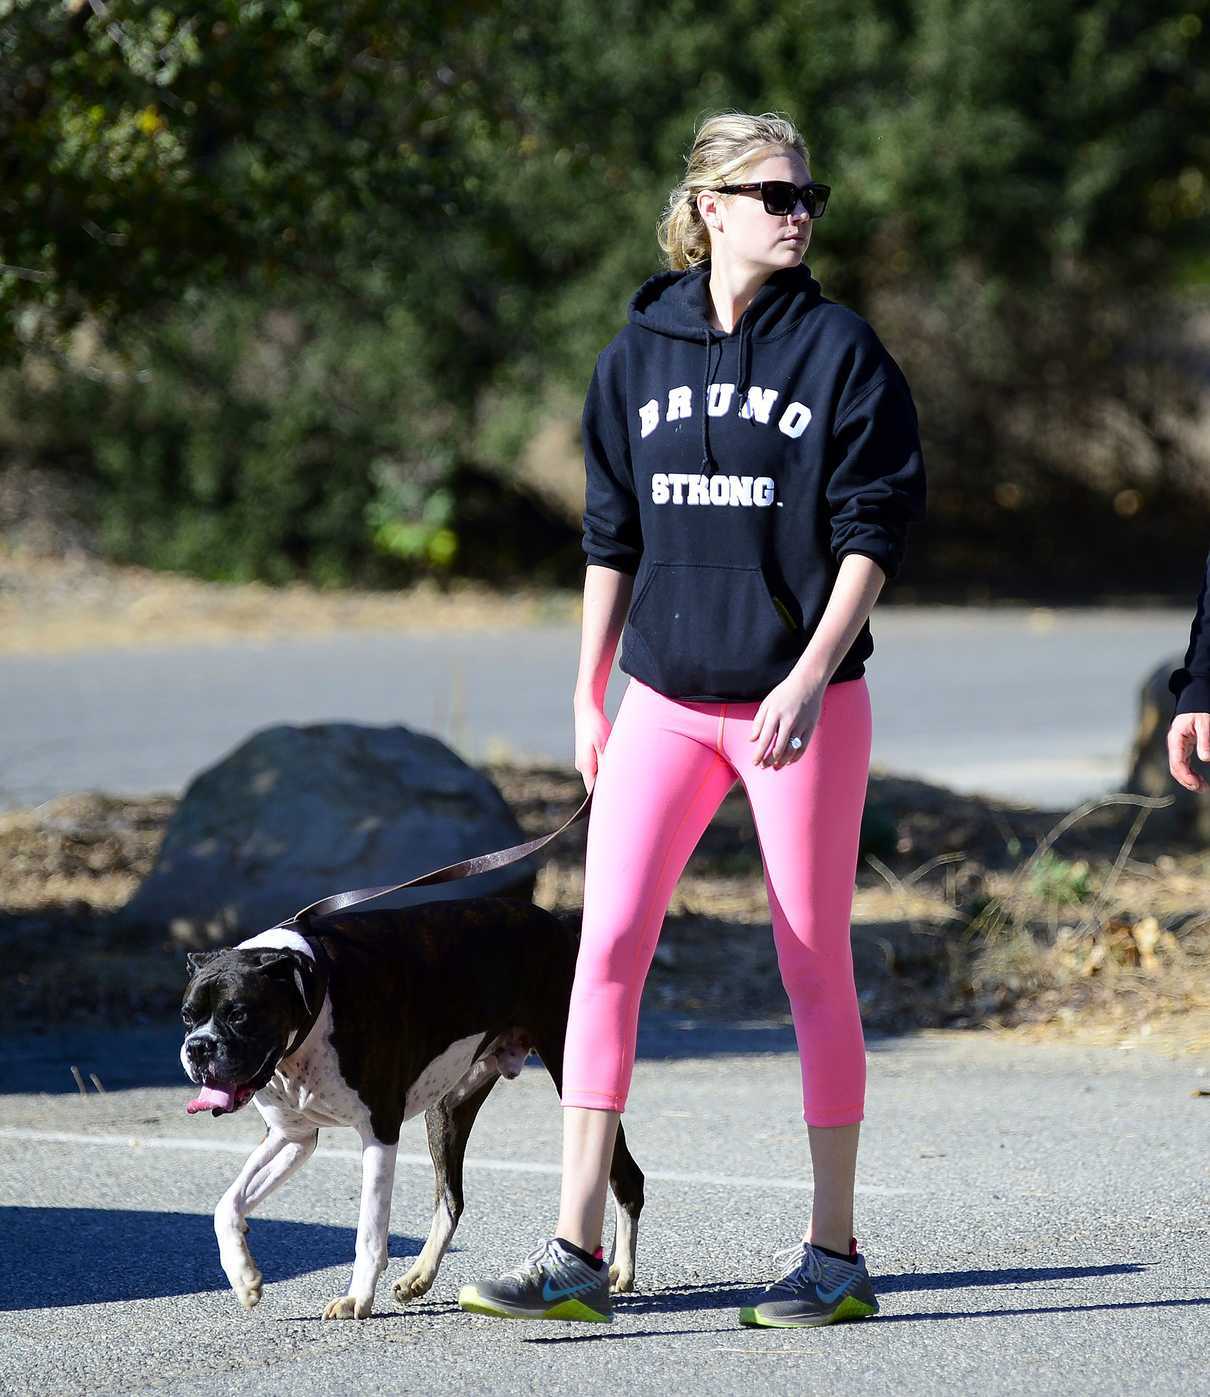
point(366, 1019)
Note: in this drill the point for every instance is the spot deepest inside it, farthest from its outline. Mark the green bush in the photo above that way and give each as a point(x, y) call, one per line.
point(242, 444)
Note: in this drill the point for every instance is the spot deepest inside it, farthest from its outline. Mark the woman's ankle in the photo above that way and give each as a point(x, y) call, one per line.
point(831, 1241)
point(574, 1231)
point(593, 1255)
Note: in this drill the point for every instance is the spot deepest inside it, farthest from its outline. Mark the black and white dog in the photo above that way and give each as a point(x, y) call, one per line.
point(366, 1020)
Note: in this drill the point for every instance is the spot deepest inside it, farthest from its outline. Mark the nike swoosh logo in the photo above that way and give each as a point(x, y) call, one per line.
point(827, 1296)
point(548, 1294)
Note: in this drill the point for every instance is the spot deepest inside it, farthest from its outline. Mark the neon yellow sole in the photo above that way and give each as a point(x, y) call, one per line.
point(473, 1303)
point(849, 1308)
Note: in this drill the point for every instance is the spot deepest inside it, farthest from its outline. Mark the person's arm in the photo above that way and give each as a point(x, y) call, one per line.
point(606, 601)
point(875, 490)
point(793, 707)
point(854, 593)
point(613, 542)
point(1191, 685)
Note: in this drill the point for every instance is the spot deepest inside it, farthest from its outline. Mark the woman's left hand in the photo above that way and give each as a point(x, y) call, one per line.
point(790, 710)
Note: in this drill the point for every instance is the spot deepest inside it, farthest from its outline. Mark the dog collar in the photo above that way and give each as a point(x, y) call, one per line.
point(315, 975)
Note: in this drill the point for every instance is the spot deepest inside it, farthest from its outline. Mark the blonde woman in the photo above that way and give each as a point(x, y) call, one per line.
point(752, 463)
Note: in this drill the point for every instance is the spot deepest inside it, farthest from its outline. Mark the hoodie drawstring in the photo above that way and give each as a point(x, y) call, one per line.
point(707, 459)
point(743, 368)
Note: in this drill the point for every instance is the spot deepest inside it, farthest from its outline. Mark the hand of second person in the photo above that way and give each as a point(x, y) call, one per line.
point(592, 733)
point(790, 710)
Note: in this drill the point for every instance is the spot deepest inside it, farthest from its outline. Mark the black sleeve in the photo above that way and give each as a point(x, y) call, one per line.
point(876, 487)
point(1191, 683)
point(612, 534)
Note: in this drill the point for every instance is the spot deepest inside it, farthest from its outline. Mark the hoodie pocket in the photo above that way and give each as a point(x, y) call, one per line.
point(712, 629)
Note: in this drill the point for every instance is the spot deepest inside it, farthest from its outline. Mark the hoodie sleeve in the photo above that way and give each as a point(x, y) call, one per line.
point(1191, 683)
point(612, 534)
point(876, 487)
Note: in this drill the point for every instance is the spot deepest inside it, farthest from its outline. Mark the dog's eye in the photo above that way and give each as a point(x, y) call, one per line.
point(187, 1018)
point(236, 1016)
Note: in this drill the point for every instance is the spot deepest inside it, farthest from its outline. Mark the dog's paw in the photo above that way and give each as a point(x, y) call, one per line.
point(621, 1280)
point(248, 1287)
point(411, 1285)
point(348, 1307)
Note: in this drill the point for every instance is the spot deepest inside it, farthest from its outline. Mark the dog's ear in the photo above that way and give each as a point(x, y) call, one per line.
point(289, 964)
point(195, 960)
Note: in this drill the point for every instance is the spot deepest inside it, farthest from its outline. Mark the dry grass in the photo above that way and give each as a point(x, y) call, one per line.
point(56, 605)
point(1098, 947)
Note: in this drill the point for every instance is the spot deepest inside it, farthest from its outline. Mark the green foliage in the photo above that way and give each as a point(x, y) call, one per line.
point(242, 444)
point(451, 204)
point(1060, 882)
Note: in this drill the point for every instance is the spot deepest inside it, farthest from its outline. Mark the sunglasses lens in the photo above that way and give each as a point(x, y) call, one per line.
point(780, 196)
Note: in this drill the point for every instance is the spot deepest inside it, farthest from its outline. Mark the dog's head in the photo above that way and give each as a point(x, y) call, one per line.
point(241, 1011)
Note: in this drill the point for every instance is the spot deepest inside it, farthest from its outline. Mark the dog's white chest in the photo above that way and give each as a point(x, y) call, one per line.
point(313, 1087)
point(444, 1072)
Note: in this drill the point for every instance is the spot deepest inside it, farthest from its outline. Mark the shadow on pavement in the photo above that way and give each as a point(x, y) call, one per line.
point(1039, 1310)
point(615, 1333)
point(725, 1295)
point(687, 1299)
point(122, 1058)
point(125, 1058)
point(56, 1257)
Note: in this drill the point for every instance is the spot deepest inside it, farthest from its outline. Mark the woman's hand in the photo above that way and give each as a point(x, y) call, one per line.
point(790, 710)
point(1188, 731)
point(793, 708)
point(592, 733)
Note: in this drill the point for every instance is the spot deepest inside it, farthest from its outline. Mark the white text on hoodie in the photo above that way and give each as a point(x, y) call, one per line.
point(712, 489)
point(758, 404)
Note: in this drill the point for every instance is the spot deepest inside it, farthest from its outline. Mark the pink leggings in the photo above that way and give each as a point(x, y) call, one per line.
point(664, 772)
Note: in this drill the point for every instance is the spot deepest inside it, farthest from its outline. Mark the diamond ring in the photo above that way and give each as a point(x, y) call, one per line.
point(796, 743)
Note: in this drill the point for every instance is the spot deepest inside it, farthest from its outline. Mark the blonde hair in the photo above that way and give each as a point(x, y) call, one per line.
point(724, 146)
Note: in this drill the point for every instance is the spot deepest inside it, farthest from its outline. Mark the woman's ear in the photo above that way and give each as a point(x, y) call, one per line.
point(709, 208)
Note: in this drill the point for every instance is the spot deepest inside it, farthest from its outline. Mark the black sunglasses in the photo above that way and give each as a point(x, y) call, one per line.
point(782, 197)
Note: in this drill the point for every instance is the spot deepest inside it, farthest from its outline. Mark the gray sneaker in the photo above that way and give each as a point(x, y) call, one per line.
point(550, 1283)
point(815, 1289)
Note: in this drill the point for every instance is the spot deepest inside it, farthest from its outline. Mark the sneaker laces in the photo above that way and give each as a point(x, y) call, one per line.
point(531, 1267)
point(802, 1259)
point(547, 1256)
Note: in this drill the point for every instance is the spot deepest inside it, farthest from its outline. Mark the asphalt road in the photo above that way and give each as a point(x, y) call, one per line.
point(1036, 1218)
point(1036, 705)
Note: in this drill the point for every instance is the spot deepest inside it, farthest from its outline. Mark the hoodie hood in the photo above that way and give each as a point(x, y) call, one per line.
point(677, 304)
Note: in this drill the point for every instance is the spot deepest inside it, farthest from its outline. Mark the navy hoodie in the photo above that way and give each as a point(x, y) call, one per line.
point(735, 519)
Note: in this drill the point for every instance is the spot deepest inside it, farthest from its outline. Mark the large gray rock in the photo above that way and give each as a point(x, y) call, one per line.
point(296, 813)
point(1188, 817)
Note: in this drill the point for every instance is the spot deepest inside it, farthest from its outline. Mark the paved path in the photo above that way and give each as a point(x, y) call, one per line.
point(1036, 705)
point(1036, 1217)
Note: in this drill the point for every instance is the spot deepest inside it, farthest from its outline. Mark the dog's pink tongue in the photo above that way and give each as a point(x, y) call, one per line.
point(213, 1098)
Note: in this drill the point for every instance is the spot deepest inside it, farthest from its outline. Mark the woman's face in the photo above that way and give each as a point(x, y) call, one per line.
point(743, 232)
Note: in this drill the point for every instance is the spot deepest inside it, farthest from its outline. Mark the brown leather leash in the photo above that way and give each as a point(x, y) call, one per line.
point(481, 863)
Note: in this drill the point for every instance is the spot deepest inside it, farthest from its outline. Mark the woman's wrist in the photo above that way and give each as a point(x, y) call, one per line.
point(813, 670)
point(588, 698)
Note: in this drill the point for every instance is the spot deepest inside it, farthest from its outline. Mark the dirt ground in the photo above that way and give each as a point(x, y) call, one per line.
point(81, 603)
point(963, 916)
